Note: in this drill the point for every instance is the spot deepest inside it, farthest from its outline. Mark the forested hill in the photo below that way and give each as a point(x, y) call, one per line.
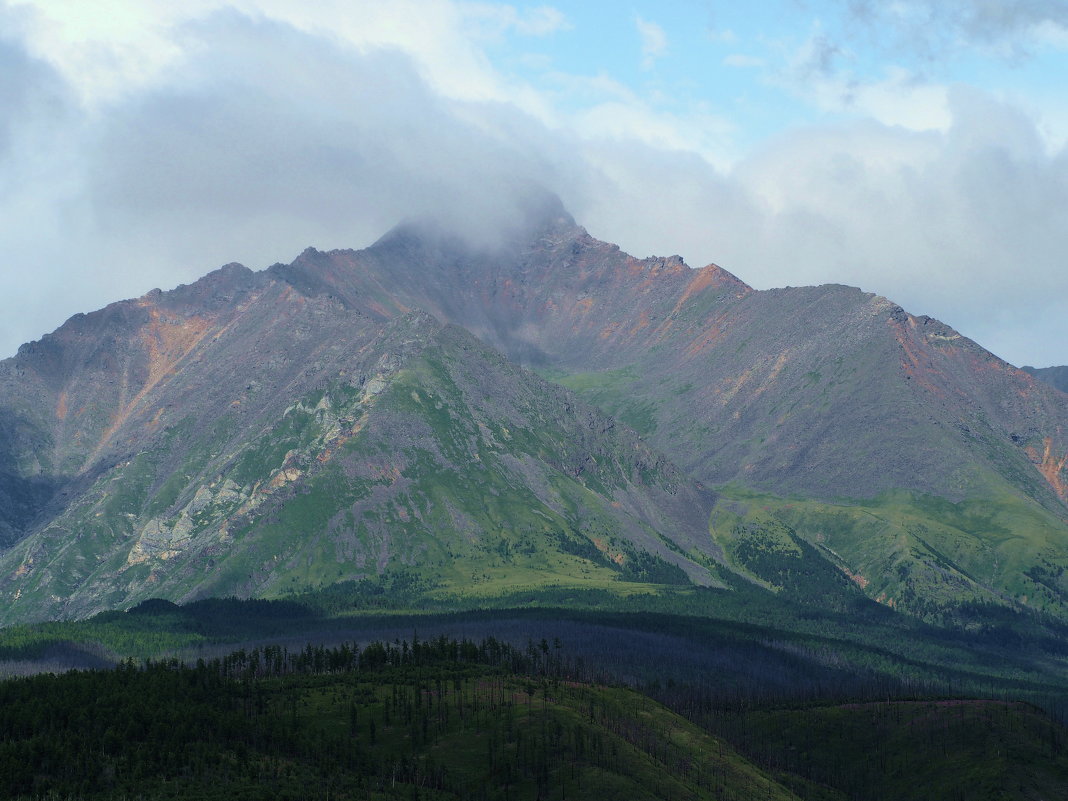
point(448, 719)
point(436, 720)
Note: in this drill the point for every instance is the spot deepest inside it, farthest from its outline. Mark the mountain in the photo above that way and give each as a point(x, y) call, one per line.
point(358, 414)
point(1054, 376)
point(937, 474)
point(825, 364)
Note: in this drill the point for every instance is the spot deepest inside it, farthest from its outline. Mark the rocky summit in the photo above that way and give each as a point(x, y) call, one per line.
point(547, 411)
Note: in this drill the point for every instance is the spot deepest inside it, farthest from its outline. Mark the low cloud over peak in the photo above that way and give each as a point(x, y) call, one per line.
point(262, 132)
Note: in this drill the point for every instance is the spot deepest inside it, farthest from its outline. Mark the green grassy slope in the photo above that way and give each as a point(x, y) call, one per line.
point(921, 554)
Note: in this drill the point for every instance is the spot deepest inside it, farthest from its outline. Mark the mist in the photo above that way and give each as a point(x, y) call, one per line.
point(262, 138)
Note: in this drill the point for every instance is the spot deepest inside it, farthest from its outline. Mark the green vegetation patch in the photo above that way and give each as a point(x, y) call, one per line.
point(612, 392)
point(919, 553)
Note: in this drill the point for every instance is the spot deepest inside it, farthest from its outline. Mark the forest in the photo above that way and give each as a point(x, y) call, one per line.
point(440, 717)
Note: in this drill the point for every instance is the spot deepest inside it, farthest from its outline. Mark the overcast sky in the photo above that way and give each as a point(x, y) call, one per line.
point(918, 149)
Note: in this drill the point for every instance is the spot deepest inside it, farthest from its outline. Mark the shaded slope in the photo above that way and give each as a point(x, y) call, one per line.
point(826, 390)
point(1054, 376)
point(908, 750)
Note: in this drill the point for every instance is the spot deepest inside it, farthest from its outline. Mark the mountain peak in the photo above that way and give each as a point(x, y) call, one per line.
point(525, 218)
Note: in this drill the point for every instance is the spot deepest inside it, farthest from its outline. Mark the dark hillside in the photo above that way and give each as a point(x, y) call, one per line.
point(1054, 376)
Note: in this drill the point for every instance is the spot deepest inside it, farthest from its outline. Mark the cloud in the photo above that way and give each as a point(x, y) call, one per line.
point(897, 97)
point(230, 152)
point(830, 77)
point(819, 56)
point(116, 48)
point(240, 157)
point(994, 21)
point(934, 29)
point(654, 41)
point(496, 19)
point(339, 150)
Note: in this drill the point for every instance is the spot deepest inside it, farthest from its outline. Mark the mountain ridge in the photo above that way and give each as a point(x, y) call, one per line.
point(1054, 376)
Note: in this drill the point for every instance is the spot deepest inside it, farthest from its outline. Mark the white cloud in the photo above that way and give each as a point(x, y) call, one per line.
point(654, 41)
point(703, 134)
point(721, 36)
point(104, 49)
point(114, 47)
point(1052, 34)
point(896, 99)
point(823, 74)
point(496, 19)
point(964, 224)
point(945, 199)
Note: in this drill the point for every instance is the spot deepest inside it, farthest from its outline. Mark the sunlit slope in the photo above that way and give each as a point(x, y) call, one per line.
point(918, 553)
point(437, 457)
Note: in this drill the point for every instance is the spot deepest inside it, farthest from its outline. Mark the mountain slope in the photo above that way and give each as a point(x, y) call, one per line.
point(399, 445)
point(756, 386)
